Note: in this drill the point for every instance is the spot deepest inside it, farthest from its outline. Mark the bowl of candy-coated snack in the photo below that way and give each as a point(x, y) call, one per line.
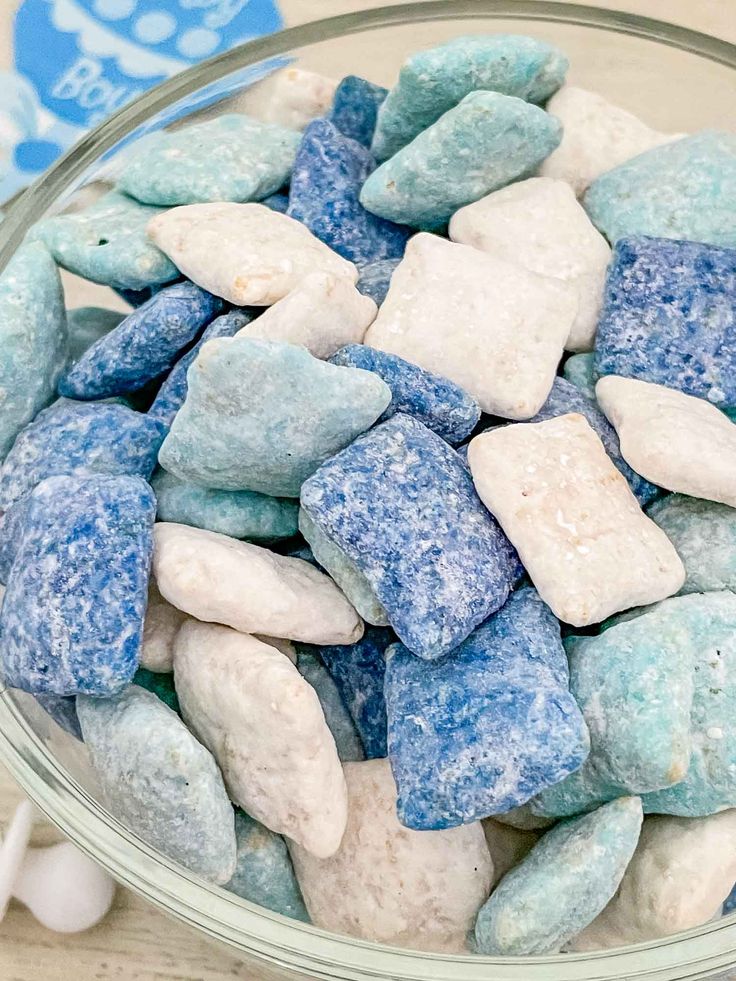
point(368, 496)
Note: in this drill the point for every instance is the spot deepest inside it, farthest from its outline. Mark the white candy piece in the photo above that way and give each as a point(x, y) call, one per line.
point(540, 224)
point(160, 626)
point(507, 845)
point(491, 326)
point(323, 313)
point(588, 547)
point(682, 871)
point(66, 891)
point(596, 136)
point(264, 725)
point(682, 443)
point(284, 646)
point(292, 97)
point(245, 253)
point(222, 580)
point(418, 889)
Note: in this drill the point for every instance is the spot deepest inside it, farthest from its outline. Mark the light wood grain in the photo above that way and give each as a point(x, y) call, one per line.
point(136, 942)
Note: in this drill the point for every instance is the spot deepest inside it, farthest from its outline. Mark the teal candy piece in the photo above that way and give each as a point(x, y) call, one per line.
point(160, 781)
point(432, 82)
point(344, 571)
point(87, 325)
point(239, 514)
point(710, 784)
point(264, 873)
point(579, 370)
point(338, 719)
point(107, 243)
point(704, 534)
point(682, 190)
point(263, 416)
point(229, 158)
point(562, 884)
point(634, 685)
point(33, 338)
point(161, 684)
point(484, 143)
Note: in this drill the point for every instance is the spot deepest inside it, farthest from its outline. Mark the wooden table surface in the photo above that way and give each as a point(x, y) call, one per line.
point(136, 942)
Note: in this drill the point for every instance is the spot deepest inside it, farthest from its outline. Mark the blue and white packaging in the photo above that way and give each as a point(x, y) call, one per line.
point(77, 61)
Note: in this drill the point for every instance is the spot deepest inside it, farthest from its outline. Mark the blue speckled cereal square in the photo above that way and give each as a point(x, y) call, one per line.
point(402, 505)
point(669, 317)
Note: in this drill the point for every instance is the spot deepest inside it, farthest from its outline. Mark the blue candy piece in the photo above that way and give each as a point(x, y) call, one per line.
point(338, 719)
point(11, 533)
point(262, 415)
point(329, 172)
point(63, 711)
point(566, 397)
point(358, 670)
point(482, 144)
point(669, 317)
point(562, 884)
point(72, 617)
point(355, 108)
point(440, 404)
point(143, 346)
point(375, 279)
point(161, 684)
point(87, 325)
point(580, 370)
point(264, 873)
point(401, 504)
point(136, 298)
point(81, 438)
point(683, 190)
point(108, 244)
point(173, 392)
point(277, 202)
point(160, 781)
point(730, 903)
point(230, 157)
point(33, 338)
point(239, 514)
point(487, 728)
point(433, 81)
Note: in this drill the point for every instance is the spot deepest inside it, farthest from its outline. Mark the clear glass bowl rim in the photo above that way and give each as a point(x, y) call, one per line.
point(264, 937)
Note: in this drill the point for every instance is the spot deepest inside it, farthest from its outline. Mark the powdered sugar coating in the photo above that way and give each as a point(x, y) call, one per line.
point(419, 889)
point(565, 506)
point(264, 725)
point(245, 253)
point(490, 326)
point(219, 579)
point(682, 443)
point(539, 224)
point(596, 136)
point(322, 313)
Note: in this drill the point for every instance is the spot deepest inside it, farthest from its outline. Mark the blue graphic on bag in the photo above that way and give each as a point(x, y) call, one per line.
point(98, 55)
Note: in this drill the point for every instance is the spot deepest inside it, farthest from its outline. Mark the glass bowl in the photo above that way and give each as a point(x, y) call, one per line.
point(676, 80)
